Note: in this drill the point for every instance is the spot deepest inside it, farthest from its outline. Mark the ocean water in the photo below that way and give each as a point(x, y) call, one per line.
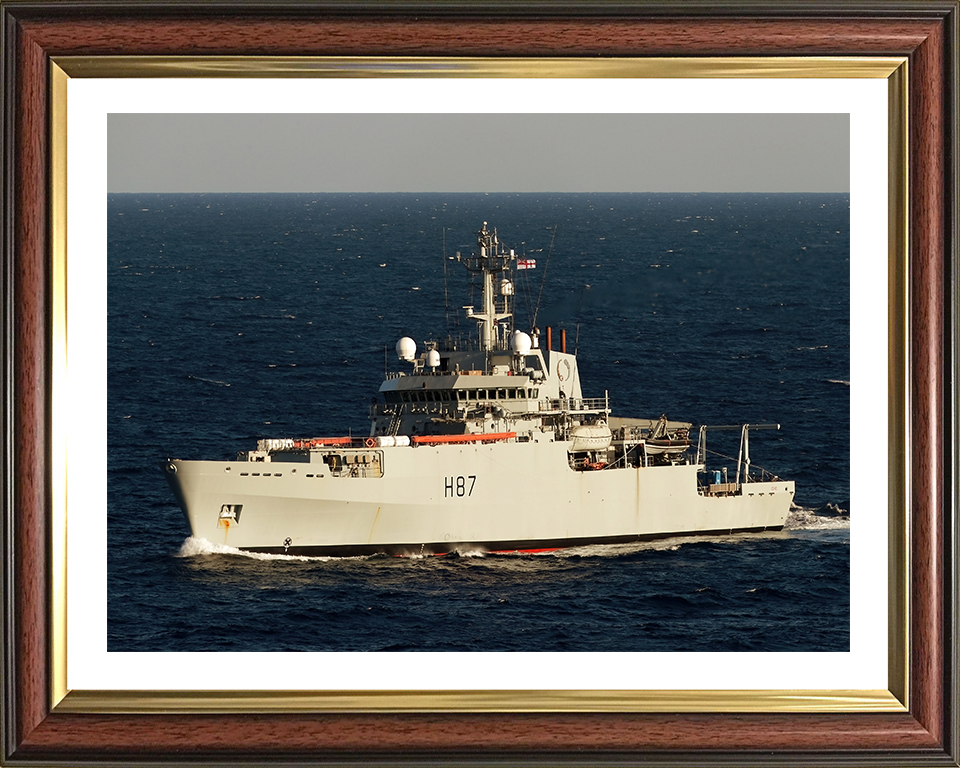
point(237, 317)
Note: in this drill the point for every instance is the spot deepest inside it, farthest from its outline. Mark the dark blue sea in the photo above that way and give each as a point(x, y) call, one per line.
point(237, 317)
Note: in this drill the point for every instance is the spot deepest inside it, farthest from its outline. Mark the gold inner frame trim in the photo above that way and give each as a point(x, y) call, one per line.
point(898, 385)
point(892, 69)
point(724, 701)
point(58, 368)
point(436, 67)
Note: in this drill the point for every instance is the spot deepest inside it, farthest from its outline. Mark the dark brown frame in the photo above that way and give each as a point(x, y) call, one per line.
point(924, 32)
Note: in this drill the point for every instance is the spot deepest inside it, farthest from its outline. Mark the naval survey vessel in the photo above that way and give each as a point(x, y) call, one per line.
point(487, 445)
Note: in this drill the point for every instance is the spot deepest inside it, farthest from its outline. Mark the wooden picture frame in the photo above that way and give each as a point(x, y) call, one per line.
point(39, 729)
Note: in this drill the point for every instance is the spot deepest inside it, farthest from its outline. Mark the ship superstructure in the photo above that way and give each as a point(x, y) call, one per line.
point(488, 444)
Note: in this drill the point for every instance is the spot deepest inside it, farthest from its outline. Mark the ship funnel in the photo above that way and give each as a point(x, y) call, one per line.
point(406, 349)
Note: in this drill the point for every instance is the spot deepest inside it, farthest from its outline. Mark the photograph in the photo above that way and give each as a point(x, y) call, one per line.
point(292, 386)
point(473, 382)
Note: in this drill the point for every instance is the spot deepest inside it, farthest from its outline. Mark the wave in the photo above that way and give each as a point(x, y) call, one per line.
point(806, 519)
point(195, 547)
point(208, 381)
point(467, 553)
point(616, 550)
point(838, 381)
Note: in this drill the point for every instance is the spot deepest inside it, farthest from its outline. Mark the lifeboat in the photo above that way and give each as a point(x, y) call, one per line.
point(661, 445)
point(590, 437)
point(318, 442)
point(487, 437)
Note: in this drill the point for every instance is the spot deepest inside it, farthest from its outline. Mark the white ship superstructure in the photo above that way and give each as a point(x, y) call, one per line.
point(487, 445)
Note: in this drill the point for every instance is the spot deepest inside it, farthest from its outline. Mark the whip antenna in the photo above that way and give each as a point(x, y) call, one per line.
point(576, 344)
point(543, 280)
point(446, 300)
point(525, 287)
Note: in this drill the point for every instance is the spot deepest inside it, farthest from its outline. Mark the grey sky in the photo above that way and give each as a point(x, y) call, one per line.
point(478, 153)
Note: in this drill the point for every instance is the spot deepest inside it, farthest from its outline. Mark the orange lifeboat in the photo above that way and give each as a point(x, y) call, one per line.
point(489, 437)
point(317, 442)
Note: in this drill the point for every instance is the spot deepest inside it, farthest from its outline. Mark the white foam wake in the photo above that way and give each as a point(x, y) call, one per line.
point(470, 552)
point(803, 519)
point(194, 547)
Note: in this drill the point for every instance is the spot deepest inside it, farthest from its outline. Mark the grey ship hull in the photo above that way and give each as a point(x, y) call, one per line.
point(437, 499)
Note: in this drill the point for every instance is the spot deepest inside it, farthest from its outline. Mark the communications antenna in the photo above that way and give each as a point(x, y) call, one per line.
point(543, 280)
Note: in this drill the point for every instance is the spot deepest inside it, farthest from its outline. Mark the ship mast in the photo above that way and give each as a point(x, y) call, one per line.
point(491, 259)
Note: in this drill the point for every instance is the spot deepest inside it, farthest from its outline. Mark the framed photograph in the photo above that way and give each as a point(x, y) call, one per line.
point(72, 75)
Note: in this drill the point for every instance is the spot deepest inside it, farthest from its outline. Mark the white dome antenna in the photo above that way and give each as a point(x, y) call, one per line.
point(521, 343)
point(406, 349)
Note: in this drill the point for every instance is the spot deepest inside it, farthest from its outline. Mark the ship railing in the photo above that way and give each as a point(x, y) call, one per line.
point(471, 344)
point(423, 372)
point(576, 405)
